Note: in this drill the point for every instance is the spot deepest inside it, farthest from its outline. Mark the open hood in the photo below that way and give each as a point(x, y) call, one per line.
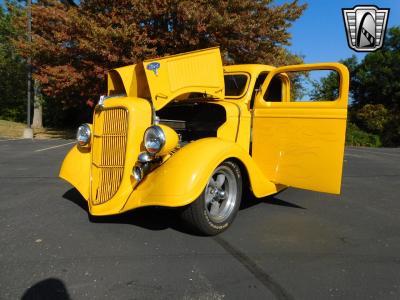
point(167, 78)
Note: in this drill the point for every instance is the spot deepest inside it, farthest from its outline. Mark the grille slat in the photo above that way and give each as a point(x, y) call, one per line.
point(109, 148)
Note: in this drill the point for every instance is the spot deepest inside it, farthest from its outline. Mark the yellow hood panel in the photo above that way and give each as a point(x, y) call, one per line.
point(164, 79)
point(192, 72)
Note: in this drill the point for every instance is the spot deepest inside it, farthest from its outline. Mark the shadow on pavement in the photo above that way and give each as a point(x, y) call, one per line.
point(151, 217)
point(250, 200)
point(161, 218)
point(48, 289)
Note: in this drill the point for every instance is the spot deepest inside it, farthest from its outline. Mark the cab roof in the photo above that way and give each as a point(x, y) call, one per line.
point(249, 68)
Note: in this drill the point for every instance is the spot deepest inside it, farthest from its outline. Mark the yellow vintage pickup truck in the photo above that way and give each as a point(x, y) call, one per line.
point(185, 131)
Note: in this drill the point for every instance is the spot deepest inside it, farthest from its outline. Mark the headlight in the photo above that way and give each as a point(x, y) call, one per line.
point(160, 139)
point(83, 135)
point(154, 139)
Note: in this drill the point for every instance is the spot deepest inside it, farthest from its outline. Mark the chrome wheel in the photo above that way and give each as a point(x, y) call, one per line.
point(221, 194)
point(216, 207)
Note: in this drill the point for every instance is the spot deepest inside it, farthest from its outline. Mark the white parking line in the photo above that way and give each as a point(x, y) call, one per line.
point(49, 148)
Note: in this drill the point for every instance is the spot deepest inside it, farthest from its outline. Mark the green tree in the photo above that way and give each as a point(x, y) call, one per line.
point(74, 44)
point(374, 91)
point(377, 77)
point(357, 137)
point(377, 82)
point(327, 87)
point(12, 72)
point(373, 117)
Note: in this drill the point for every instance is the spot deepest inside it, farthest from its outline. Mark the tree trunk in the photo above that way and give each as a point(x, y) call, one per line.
point(37, 108)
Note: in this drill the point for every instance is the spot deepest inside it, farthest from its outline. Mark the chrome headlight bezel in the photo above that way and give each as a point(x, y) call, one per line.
point(154, 139)
point(83, 135)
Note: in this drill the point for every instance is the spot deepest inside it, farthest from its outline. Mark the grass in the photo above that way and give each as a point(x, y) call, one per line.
point(10, 129)
point(51, 133)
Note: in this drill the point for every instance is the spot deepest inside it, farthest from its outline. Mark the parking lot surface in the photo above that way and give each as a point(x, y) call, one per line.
point(295, 245)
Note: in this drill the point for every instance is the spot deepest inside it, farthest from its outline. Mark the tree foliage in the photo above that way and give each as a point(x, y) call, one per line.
point(327, 87)
point(74, 45)
point(12, 72)
point(373, 117)
point(374, 91)
point(377, 77)
point(357, 137)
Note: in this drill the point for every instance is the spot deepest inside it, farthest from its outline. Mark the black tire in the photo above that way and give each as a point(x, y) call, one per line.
point(216, 208)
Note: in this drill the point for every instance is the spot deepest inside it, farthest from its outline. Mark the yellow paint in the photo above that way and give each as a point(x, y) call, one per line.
point(76, 169)
point(171, 140)
point(197, 71)
point(228, 130)
point(301, 144)
point(294, 144)
point(181, 179)
point(130, 80)
point(254, 70)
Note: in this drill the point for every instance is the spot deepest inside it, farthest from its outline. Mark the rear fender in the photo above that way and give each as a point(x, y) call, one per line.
point(182, 178)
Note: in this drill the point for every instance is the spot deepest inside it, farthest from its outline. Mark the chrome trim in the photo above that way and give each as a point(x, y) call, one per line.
point(103, 98)
point(137, 173)
point(81, 142)
point(145, 157)
point(159, 134)
point(221, 194)
point(101, 101)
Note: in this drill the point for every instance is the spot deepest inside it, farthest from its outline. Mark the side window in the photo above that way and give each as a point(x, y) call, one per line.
point(235, 84)
point(311, 86)
point(274, 91)
point(314, 85)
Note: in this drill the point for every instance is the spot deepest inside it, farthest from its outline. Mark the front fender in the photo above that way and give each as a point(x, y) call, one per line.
point(182, 178)
point(76, 169)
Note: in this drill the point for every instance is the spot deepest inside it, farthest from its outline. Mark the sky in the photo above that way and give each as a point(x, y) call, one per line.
point(319, 34)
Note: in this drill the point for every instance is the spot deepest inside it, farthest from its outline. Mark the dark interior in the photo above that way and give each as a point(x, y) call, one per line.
point(274, 91)
point(260, 80)
point(235, 84)
point(194, 120)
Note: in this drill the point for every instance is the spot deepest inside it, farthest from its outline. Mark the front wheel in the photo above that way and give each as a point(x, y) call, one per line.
point(214, 210)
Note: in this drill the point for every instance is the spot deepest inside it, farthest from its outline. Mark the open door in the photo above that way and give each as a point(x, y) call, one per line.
point(297, 140)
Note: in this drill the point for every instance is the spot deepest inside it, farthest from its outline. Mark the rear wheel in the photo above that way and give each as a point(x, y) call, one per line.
point(214, 210)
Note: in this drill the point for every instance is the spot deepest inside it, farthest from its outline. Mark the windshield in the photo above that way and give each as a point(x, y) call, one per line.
point(235, 84)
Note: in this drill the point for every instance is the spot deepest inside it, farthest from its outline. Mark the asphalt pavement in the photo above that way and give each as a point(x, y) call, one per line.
point(295, 245)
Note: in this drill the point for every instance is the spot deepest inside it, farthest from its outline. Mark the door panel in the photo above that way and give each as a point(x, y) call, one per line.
point(301, 144)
